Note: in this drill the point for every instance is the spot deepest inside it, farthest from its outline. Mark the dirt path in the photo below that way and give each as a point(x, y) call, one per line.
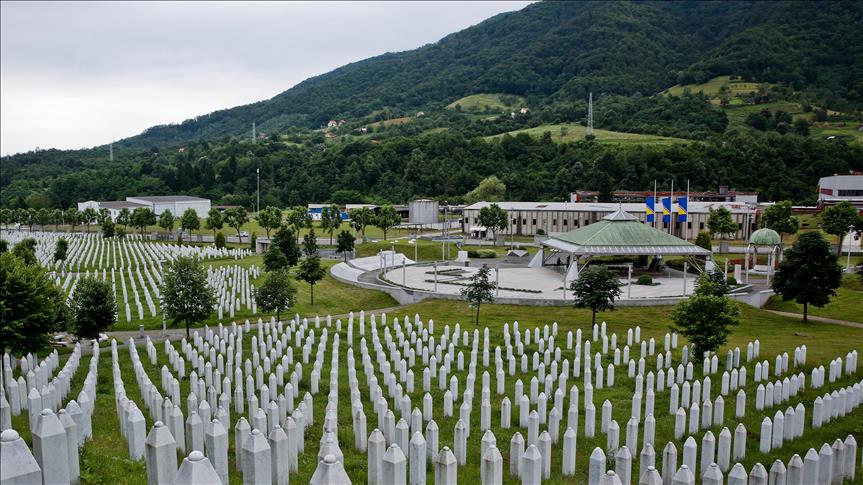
point(833, 321)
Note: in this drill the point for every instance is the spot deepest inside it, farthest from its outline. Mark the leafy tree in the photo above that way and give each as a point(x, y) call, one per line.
point(494, 218)
point(311, 271)
point(29, 218)
point(56, 218)
point(4, 246)
point(253, 241)
point(809, 274)
point(717, 281)
point(60, 249)
point(214, 221)
point(124, 217)
point(219, 240)
point(166, 221)
point(276, 293)
point(703, 240)
point(299, 219)
point(345, 243)
point(235, 217)
point(387, 219)
point(285, 240)
point(190, 222)
point(143, 217)
point(269, 218)
point(108, 228)
point(44, 217)
point(71, 217)
point(331, 220)
point(88, 216)
point(705, 318)
point(491, 189)
point(274, 259)
point(719, 221)
point(30, 305)
point(5, 216)
point(186, 295)
point(596, 288)
point(310, 243)
point(778, 217)
point(94, 309)
point(839, 220)
point(25, 250)
point(479, 290)
point(360, 218)
point(801, 127)
point(103, 215)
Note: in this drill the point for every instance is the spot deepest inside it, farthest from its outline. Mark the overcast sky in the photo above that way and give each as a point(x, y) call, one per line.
point(78, 75)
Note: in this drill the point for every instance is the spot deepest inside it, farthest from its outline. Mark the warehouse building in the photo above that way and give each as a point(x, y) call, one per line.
point(532, 218)
point(177, 204)
point(838, 188)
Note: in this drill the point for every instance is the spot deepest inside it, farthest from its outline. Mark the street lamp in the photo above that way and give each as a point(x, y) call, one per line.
point(258, 175)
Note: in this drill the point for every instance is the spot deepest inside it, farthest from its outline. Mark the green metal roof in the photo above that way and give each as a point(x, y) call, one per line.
point(765, 237)
point(622, 233)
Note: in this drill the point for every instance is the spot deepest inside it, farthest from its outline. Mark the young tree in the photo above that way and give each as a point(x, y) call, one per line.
point(299, 219)
point(809, 274)
point(190, 222)
point(360, 218)
point(311, 272)
point(235, 217)
point(219, 240)
point(839, 220)
point(124, 218)
point(214, 221)
point(269, 218)
point(88, 216)
point(310, 243)
point(345, 243)
point(5, 216)
point(276, 293)
point(479, 290)
point(778, 217)
point(705, 318)
point(166, 221)
point(103, 215)
point(143, 217)
point(387, 219)
point(494, 218)
point(274, 259)
point(56, 218)
point(719, 221)
point(331, 220)
point(596, 288)
point(71, 217)
point(108, 228)
point(186, 295)
point(703, 240)
point(94, 309)
point(286, 241)
point(44, 217)
point(30, 304)
point(717, 280)
point(491, 189)
point(60, 249)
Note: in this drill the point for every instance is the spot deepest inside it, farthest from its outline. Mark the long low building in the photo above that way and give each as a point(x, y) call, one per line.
point(526, 218)
point(114, 206)
point(177, 204)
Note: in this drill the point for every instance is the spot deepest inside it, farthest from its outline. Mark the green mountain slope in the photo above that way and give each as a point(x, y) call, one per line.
point(553, 53)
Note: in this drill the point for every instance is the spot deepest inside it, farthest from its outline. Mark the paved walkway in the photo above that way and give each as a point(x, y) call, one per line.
point(834, 321)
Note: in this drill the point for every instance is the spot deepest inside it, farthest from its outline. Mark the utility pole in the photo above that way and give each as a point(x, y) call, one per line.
point(258, 174)
point(253, 132)
point(590, 114)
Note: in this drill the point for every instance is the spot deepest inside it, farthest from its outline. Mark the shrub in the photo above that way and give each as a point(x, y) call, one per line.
point(731, 281)
point(540, 232)
point(253, 240)
point(644, 279)
point(180, 239)
point(220, 240)
point(481, 253)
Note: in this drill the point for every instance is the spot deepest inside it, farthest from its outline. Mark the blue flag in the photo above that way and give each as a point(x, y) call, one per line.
point(666, 209)
point(651, 209)
point(682, 209)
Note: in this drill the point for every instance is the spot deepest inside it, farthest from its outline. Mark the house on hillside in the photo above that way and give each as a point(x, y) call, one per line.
point(342, 122)
point(332, 124)
point(420, 114)
point(524, 110)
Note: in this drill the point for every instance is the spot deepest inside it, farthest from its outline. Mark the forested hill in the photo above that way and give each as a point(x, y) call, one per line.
point(553, 53)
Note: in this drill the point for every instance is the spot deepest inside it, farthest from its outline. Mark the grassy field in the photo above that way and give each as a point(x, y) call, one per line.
point(486, 102)
point(711, 88)
point(392, 121)
point(849, 133)
point(105, 458)
point(846, 305)
point(571, 132)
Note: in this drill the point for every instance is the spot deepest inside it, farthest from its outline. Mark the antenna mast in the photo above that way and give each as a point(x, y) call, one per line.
point(590, 114)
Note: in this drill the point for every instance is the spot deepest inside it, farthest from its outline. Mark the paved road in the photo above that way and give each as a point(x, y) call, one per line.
point(834, 321)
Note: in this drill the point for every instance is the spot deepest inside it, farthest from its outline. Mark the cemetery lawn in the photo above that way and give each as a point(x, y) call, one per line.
point(105, 458)
point(846, 305)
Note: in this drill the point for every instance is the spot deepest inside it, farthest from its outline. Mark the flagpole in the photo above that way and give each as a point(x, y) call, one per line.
point(670, 209)
point(654, 203)
point(686, 216)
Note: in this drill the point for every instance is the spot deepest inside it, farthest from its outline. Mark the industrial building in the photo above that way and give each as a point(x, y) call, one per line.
point(177, 204)
point(527, 218)
point(114, 206)
point(724, 194)
point(836, 188)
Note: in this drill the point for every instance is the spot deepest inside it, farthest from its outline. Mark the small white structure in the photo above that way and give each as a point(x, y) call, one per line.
point(836, 188)
point(114, 206)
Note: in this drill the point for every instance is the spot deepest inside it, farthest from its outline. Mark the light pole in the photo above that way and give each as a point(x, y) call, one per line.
point(258, 176)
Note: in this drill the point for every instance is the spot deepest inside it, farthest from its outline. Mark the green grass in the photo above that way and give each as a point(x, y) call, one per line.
point(850, 133)
point(711, 88)
point(846, 305)
point(737, 113)
point(571, 132)
point(105, 458)
point(486, 102)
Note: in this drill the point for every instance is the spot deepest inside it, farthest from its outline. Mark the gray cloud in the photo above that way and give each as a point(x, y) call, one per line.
point(81, 74)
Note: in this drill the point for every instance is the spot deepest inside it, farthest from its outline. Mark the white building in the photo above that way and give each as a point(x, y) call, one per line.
point(177, 204)
point(836, 188)
point(114, 206)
